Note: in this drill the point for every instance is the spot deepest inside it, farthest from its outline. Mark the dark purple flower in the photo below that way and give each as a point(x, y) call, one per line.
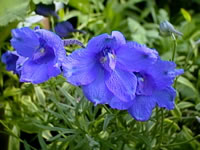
point(105, 68)
point(43, 50)
point(13, 61)
point(46, 10)
point(64, 29)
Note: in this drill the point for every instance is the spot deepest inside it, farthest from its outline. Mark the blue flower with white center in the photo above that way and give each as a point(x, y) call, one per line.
point(43, 50)
point(104, 69)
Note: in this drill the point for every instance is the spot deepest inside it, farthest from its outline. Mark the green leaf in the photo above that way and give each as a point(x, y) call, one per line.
point(26, 145)
point(171, 123)
point(13, 142)
point(176, 112)
point(183, 105)
point(138, 32)
point(12, 10)
point(82, 5)
point(40, 95)
point(42, 142)
point(107, 120)
point(187, 83)
point(43, 1)
point(197, 107)
point(186, 15)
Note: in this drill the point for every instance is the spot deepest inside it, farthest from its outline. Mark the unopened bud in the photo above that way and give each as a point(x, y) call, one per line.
point(166, 29)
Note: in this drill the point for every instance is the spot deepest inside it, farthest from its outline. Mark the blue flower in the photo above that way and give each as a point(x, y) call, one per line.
point(13, 61)
point(154, 87)
point(104, 69)
point(43, 50)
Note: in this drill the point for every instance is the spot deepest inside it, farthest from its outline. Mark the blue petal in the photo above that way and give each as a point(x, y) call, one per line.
point(122, 84)
point(37, 73)
point(119, 37)
point(97, 92)
point(165, 98)
point(10, 58)
point(108, 62)
point(53, 69)
point(25, 41)
point(164, 73)
point(52, 43)
point(101, 42)
point(145, 84)
point(119, 104)
point(142, 107)
point(80, 68)
point(64, 29)
point(135, 57)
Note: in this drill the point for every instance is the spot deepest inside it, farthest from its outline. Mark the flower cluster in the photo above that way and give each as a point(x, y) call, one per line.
point(110, 70)
point(124, 75)
point(38, 57)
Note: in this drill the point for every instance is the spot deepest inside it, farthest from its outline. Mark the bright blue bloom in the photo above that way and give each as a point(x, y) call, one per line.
point(154, 87)
point(124, 75)
point(104, 69)
point(43, 50)
point(13, 61)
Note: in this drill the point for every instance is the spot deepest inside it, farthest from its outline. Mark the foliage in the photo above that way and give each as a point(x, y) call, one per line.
point(55, 114)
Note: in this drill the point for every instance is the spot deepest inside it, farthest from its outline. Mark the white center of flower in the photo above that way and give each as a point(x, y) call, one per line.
point(42, 50)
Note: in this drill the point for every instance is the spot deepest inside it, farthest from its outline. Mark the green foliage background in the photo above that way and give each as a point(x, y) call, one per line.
point(56, 115)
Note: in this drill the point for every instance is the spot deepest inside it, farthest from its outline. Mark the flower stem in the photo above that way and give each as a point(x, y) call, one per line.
point(161, 130)
point(107, 109)
point(174, 48)
point(52, 24)
point(180, 143)
point(68, 42)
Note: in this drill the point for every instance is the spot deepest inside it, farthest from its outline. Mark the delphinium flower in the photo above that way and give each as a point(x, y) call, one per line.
point(44, 52)
point(104, 69)
point(124, 75)
point(64, 29)
point(13, 61)
point(46, 10)
point(154, 87)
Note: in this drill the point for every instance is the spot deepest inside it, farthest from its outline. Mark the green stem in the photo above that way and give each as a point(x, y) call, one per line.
point(174, 48)
point(161, 130)
point(52, 23)
point(106, 108)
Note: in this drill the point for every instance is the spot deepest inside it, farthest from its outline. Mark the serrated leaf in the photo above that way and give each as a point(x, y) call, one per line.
point(186, 15)
point(12, 10)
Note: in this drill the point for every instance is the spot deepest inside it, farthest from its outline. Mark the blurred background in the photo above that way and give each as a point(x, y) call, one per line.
point(55, 115)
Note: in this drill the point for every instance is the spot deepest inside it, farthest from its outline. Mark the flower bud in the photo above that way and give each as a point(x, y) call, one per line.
point(166, 29)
